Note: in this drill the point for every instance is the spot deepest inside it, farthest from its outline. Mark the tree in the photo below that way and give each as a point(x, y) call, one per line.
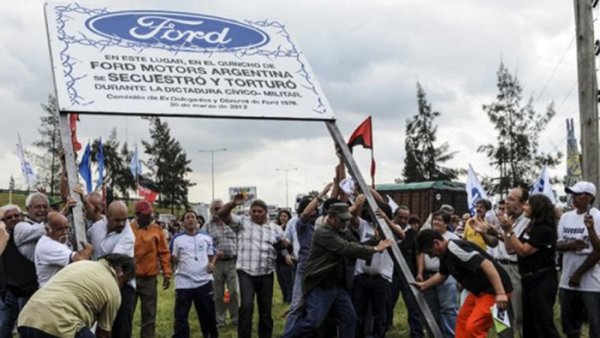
point(169, 165)
point(423, 157)
point(516, 155)
point(48, 164)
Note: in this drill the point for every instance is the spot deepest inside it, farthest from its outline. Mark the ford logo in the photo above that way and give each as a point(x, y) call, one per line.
point(177, 31)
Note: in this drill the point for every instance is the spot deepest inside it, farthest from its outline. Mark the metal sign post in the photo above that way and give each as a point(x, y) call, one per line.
point(70, 160)
point(129, 61)
point(431, 324)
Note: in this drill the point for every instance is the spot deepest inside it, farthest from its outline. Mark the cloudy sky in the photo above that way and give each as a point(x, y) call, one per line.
point(367, 57)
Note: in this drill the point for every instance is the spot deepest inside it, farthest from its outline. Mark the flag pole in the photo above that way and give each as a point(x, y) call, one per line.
point(394, 250)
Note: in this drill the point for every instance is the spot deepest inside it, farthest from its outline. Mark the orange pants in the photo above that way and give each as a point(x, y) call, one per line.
point(474, 318)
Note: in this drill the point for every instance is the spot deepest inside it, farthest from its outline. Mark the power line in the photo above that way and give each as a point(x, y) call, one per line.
point(562, 58)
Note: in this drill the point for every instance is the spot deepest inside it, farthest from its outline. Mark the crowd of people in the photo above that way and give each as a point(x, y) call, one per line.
point(329, 256)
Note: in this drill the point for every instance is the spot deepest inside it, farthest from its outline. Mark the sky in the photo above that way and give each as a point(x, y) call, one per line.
point(367, 57)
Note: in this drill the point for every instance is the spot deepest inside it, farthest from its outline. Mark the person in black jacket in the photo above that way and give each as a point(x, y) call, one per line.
point(329, 273)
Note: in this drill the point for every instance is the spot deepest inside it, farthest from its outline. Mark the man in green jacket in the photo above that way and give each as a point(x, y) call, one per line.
point(329, 272)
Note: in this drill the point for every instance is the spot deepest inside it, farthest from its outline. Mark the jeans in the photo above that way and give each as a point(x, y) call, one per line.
point(285, 278)
point(262, 287)
point(317, 304)
point(205, 309)
point(122, 324)
point(10, 307)
point(225, 274)
point(146, 292)
point(371, 290)
point(443, 301)
point(394, 295)
point(574, 305)
point(295, 308)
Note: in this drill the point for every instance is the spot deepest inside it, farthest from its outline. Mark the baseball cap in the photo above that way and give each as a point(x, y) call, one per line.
point(340, 210)
point(143, 207)
point(582, 187)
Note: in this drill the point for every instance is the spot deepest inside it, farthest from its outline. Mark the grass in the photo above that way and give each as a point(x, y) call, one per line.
point(166, 302)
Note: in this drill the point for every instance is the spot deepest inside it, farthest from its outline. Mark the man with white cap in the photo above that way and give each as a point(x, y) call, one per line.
point(579, 286)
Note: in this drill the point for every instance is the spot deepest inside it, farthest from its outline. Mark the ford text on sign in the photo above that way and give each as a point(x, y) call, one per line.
point(161, 62)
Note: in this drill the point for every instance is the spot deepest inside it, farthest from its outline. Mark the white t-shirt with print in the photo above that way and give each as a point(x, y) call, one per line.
point(571, 227)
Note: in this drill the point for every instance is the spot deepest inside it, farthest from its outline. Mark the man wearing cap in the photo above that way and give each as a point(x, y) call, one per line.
point(258, 240)
point(329, 274)
point(150, 249)
point(579, 287)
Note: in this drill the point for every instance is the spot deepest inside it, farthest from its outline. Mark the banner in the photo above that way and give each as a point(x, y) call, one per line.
point(135, 166)
point(179, 63)
point(26, 167)
point(474, 190)
point(543, 186)
point(248, 193)
point(100, 159)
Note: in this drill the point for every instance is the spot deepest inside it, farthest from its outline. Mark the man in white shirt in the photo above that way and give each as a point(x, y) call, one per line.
point(52, 252)
point(514, 202)
point(258, 240)
point(195, 254)
point(579, 286)
point(27, 233)
point(113, 235)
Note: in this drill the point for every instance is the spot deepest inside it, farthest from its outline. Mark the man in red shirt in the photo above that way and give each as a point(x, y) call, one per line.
point(150, 248)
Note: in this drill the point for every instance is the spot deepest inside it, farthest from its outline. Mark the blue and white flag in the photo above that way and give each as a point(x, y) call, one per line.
point(543, 186)
point(26, 167)
point(135, 166)
point(474, 190)
point(100, 159)
point(85, 169)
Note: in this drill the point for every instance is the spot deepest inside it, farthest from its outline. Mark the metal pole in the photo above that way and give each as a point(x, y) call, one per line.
point(77, 211)
point(212, 174)
point(212, 167)
point(287, 206)
point(432, 327)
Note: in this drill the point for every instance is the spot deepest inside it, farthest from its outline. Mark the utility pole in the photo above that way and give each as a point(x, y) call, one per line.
point(287, 206)
point(212, 167)
point(588, 90)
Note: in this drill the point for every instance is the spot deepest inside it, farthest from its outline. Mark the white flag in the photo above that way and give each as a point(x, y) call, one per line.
point(543, 186)
point(392, 204)
point(474, 190)
point(26, 167)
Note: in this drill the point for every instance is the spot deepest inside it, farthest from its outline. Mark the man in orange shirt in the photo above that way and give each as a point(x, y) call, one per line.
point(150, 248)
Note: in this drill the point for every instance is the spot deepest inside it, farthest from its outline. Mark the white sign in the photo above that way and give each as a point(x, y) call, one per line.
point(161, 62)
point(247, 193)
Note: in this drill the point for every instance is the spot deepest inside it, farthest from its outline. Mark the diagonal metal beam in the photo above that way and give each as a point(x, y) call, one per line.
point(431, 324)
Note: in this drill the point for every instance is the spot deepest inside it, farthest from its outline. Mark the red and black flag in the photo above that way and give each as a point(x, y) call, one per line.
point(147, 189)
point(363, 135)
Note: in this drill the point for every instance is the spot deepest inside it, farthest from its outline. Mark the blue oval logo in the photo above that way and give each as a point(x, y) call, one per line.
point(177, 31)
